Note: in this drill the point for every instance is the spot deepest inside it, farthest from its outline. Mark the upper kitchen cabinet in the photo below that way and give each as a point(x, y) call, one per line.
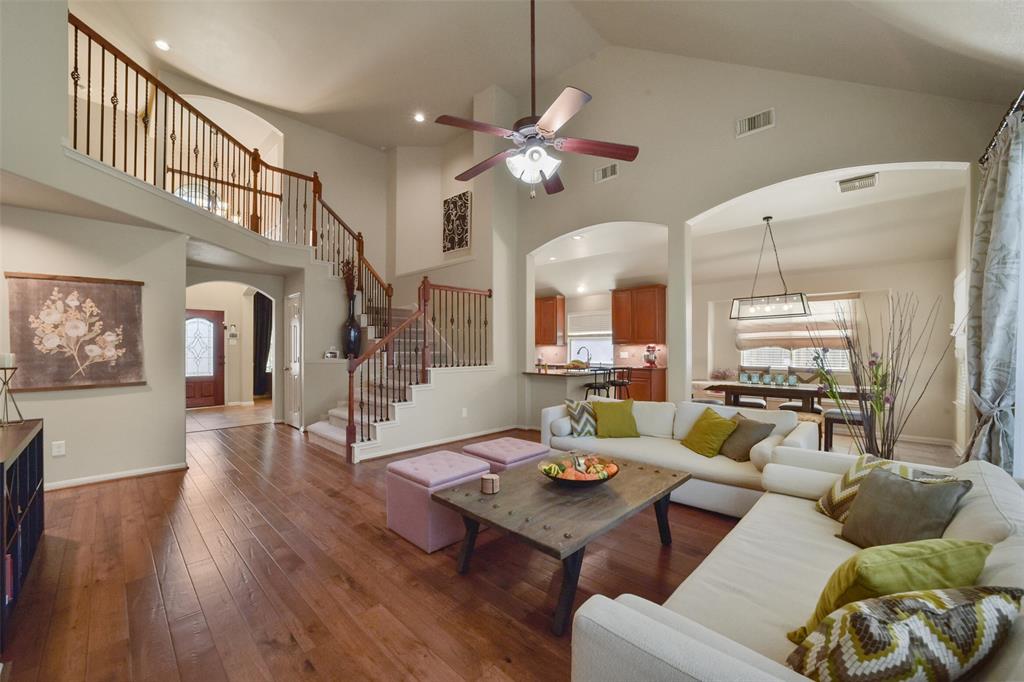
point(638, 315)
point(549, 321)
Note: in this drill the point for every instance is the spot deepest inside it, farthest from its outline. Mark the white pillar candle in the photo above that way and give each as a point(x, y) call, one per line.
point(7, 360)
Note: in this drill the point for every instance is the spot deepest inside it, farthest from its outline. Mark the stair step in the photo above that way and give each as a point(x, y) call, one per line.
point(327, 436)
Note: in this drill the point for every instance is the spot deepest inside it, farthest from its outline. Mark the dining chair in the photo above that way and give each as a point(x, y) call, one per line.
point(835, 416)
point(753, 401)
point(798, 405)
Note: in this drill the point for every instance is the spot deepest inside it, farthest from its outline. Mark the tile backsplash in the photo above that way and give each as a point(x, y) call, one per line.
point(635, 355)
point(554, 355)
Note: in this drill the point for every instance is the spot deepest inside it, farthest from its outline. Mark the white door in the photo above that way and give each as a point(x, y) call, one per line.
point(293, 362)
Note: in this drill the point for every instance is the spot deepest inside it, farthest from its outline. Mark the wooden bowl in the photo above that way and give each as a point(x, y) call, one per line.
point(567, 464)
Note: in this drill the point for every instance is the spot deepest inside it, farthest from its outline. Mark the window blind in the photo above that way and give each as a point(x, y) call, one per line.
point(820, 329)
point(597, 323)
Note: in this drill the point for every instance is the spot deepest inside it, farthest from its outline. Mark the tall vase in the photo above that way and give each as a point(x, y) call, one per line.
point(351, 332)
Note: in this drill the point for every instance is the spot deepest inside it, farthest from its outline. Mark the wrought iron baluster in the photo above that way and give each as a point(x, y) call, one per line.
point(75, 77)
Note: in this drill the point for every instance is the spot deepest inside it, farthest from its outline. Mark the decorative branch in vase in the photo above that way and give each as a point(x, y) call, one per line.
point(351, 331)
point(888, 379)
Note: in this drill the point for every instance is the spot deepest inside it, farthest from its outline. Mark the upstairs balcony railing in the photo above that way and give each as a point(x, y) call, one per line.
point(123, 116)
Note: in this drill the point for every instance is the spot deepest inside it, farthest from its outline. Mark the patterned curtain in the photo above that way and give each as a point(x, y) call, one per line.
point(993, 297)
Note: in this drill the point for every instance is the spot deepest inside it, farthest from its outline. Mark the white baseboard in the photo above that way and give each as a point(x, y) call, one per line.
point(842, 429)
point(131, 473)
point(240, 403)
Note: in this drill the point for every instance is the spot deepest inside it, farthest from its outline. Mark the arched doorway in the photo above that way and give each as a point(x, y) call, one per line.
point(229, 355)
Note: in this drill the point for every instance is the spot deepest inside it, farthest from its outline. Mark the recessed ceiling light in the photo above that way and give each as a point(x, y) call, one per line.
point(162, 45)
point(580, 289)
point(419, 117)
point(552, 258)
point(577, 237)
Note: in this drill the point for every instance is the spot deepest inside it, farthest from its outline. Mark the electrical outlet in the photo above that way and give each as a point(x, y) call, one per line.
point(623, 354)
point(465, 411)
point(58, 448)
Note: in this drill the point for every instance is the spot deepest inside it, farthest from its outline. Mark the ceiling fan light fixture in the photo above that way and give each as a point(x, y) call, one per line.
point(529, 165)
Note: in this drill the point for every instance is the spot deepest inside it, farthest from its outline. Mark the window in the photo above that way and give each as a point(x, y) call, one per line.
point(198, 347)
point(593, 332)
point(779, 358)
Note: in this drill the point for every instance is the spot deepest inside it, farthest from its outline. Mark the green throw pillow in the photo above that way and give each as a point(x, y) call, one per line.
point(615, 419)
point(708, 433)
point(890, 569)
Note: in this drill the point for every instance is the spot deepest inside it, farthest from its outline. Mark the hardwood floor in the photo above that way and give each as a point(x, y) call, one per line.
point(229, 416)
point(269, 559)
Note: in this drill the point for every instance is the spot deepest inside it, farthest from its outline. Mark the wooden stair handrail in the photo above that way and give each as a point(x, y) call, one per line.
point(354, 363)
point(352, 233)
point(489, 293)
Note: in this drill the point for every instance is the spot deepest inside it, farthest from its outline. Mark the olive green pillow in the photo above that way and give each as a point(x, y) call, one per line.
point(708, 433)
point(748, 433)
point(890, 569)
point(615, 419)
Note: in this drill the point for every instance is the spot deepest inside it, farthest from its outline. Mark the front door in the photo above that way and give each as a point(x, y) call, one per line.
point(204, 358)
point(293, 362)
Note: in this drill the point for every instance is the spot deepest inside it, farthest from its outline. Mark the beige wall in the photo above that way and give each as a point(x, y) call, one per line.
point(108, 431)
point(929, 280)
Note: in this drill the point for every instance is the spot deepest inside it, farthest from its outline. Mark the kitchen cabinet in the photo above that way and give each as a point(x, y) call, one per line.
point(648, 383)
point(549, 321)
point(638, 315)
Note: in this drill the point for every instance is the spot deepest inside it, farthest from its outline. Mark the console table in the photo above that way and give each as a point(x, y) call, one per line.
point(21, 450)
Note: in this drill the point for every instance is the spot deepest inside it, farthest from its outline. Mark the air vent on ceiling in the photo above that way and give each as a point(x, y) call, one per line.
point(859, 182)
point(606, 173)
point(755, 123)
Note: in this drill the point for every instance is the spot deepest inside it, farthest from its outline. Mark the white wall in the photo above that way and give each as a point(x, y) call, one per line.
point(928, 280)
point(108, 431)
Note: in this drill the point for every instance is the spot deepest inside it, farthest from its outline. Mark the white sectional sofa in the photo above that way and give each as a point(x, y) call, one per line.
point(719, 484)
point(728, 620)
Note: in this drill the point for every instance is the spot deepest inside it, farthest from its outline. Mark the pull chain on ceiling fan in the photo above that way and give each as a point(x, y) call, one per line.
point(529, 159)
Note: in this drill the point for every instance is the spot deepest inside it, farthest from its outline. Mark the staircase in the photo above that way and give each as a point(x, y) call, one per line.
point(150, 132)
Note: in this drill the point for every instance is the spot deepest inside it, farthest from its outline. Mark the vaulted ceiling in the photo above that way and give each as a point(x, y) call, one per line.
point(362, 68)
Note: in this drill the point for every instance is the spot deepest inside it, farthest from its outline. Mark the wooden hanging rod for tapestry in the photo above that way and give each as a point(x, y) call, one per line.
point(1018, 105)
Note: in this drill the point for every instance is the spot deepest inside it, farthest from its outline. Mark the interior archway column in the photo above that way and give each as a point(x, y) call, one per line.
point(680, 311)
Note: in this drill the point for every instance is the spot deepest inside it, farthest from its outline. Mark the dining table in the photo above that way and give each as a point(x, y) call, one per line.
point(805, 393)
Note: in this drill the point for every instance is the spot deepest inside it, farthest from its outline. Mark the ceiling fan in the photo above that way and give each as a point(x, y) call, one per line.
point(529, 159)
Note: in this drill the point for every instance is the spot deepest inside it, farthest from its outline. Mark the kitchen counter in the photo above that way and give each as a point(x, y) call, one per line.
point(544, 389)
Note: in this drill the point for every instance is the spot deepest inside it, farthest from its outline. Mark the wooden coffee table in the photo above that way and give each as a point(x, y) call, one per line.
point(559, 520)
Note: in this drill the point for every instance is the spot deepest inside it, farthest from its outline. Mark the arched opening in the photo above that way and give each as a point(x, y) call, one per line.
point(230, 343)
point(901, 228)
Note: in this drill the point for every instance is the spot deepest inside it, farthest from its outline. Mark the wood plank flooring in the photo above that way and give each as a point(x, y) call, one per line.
point(228, 416)
point(270, 559)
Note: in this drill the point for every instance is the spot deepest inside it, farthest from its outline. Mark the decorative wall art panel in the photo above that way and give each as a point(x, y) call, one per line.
point(75, 332)
point(458, 220)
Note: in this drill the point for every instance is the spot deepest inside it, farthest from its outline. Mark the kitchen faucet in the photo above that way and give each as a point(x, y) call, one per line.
point(580, 351)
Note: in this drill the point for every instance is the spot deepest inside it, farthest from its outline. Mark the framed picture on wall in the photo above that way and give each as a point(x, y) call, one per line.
point(75, 332)
point(458, 222)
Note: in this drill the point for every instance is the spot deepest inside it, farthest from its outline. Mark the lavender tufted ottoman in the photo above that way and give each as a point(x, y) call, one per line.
point(409, 483)
point(504, 453)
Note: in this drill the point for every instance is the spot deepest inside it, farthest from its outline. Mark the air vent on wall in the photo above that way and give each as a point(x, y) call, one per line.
point(755, 123)
point(606, 173)
point(859, 182)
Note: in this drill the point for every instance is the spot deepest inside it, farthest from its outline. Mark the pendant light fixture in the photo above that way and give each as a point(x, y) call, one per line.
point(773, 305)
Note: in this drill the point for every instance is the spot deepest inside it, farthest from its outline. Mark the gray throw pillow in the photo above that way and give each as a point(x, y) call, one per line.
point(890, 509)
point(748, 433)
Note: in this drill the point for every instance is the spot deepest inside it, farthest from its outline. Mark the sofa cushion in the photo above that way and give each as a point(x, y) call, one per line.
point(993, 509)
point(687, 414)
point(836, 503)
point(708, 433)
point(769, 569)
point(669, 454)
point(654, 418)
point(581, 416)
point(561, 427)
point(890, 569)
point(615, 420)
point(890, 509)
point(929, 634)
point(748, 433)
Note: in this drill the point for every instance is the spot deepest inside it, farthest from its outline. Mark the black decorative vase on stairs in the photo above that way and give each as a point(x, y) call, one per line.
point(351, 332)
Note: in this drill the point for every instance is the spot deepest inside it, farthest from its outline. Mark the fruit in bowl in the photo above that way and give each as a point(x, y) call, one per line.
point(580, 470)
point(575, 364)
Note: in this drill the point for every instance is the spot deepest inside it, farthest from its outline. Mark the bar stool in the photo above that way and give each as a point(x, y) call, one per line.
point(601, 383)
point(622, 377)
point(835, 416)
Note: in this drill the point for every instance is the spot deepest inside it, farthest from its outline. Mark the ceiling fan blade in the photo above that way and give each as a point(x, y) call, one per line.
point(552, 185)
point(561, 110)
point(485, 164)
point(610, 150)
point(470, 124)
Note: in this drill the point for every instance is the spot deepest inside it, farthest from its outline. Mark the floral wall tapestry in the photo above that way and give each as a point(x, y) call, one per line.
point(75, 332)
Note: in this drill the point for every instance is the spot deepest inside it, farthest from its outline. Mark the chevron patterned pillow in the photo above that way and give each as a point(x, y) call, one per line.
point(924, 635)
point(581, 418)
point(836, 503)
